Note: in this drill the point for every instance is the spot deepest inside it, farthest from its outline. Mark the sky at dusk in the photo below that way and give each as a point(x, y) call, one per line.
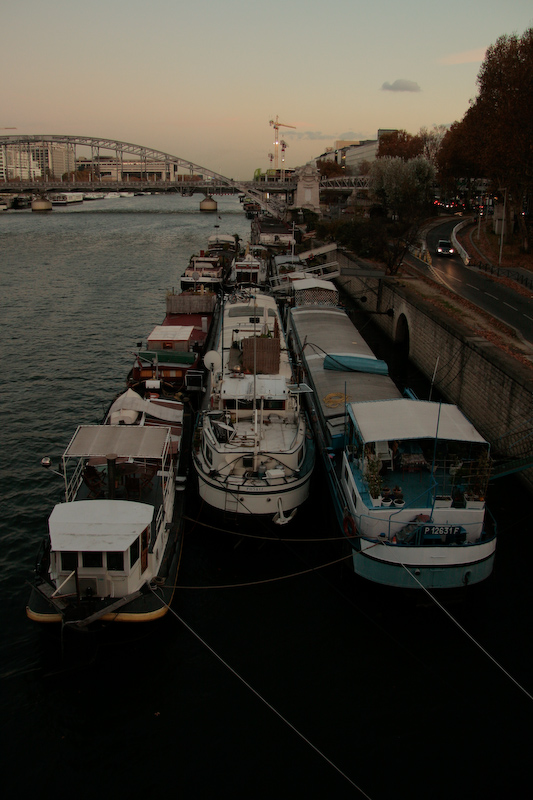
point(200, 79)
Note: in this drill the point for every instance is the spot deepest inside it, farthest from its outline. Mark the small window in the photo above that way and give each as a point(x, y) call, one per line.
point(92, 560)
point(134, 552)
point(69, 561)
point(115, 562)
point(208, 455)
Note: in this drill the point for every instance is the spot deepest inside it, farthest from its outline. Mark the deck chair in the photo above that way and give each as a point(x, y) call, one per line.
point(94, 480)
point(384, 454)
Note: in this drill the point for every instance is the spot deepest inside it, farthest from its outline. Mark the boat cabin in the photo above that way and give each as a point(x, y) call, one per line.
point(175, 338)
point(109, 535)
point(418, 453)
point(100, 548)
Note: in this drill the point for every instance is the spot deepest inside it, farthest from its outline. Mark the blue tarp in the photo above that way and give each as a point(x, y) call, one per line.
point(348, 363)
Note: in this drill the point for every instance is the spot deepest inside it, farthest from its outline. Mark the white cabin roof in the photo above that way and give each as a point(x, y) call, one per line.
point(125, 441)
point(266, 386)
point(171, 333)
point(313, 283)
point(389, 420)
point(98, 525)
point(223, 238)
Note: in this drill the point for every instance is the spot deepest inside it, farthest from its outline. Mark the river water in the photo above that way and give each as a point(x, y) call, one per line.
point(309, 686)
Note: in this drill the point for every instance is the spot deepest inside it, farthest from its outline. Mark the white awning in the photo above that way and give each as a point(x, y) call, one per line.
point(126, 441)
point(98, 525)
point(131, 401)
point(390, 420)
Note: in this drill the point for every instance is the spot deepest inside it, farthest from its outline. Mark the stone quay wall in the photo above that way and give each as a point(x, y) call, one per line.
point(494, 390)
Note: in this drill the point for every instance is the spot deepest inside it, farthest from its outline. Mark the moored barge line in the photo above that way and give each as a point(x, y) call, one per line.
point(407, 477)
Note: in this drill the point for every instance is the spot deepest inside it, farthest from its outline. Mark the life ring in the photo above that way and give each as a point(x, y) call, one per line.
point(349, 526)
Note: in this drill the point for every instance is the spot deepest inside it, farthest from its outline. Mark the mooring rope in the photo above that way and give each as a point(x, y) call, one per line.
point(259, 537)
point(265, 701)
point(265, 580)
point(469, 635)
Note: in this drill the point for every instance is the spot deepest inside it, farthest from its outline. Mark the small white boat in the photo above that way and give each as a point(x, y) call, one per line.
point(253, 452)
point(205, 272)
point(112, 551)
point(250, 269)
point(66, 198)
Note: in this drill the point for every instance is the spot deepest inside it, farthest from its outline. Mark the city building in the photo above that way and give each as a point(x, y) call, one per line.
point(350, 154)
point(25, 161)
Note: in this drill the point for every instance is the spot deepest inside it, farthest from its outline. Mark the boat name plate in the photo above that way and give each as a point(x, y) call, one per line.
point(441, 530)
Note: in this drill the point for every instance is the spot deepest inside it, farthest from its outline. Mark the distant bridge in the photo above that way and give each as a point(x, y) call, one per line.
point(154, 170)
point(27, 153)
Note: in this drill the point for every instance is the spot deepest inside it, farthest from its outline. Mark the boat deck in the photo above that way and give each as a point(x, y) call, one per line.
point(328, 331)
point(415, 486)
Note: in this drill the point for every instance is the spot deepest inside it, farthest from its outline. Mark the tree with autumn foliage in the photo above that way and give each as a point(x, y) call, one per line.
point(459, 161)
point(329, 169)
point(399, 144)
point(495, 137)
point(404, 191)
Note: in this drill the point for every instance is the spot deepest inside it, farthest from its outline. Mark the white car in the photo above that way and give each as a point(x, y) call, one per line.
point(444, 248)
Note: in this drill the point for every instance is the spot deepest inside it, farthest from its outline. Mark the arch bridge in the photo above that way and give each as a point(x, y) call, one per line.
point(31, 154)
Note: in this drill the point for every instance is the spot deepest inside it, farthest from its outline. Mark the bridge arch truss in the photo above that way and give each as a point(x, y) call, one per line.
point(24, 146)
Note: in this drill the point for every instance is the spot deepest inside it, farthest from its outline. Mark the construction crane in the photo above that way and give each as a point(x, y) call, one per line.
point(277, 125)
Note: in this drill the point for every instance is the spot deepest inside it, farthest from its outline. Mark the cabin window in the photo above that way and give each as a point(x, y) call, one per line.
point(274, 405)
point(115, 562)
point(134, 552)
point(208, 455)
point(167, 345)
point(91, 560)
point(69, 561)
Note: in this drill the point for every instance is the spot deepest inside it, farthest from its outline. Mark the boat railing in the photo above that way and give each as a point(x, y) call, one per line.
point(156, 526)
point(72, 485)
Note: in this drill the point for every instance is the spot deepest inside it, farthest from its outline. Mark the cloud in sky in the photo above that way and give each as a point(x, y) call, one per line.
point(466, 57)
point(401, 86)
point(308, 135)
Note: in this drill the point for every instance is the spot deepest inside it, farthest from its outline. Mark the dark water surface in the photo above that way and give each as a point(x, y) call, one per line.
point(381, 682)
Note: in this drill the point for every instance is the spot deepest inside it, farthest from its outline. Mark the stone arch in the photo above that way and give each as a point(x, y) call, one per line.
point(401, 335)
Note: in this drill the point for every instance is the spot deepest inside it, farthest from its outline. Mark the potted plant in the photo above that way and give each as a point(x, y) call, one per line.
point(386, 496)
point(373, 478)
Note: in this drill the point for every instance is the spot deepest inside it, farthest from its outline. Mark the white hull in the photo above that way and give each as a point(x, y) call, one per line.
point(252, 453)
point(265, 499)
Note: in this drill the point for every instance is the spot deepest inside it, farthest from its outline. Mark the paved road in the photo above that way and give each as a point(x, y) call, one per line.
point(501, 302)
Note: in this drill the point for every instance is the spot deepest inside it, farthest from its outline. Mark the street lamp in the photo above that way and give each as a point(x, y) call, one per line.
point(503, 225)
